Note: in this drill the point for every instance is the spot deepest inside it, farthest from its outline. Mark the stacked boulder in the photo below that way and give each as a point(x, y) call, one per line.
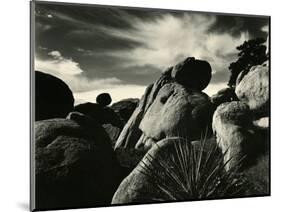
point(241, 127)
point(174, 105)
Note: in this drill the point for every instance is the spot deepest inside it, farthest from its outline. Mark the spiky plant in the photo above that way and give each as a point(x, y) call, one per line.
point(190, 172)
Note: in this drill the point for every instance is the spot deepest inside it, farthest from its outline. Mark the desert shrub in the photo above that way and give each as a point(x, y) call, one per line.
point(193, 173)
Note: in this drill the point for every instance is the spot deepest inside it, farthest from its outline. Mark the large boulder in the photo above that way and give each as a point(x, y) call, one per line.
point(239, 138)
point(253, 89)
point(224, 95)
point(75, 164)
point(167, 109)
point(193, 73)
point(53, 98)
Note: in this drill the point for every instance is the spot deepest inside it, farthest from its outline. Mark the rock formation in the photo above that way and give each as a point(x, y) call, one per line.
point(242, 127)
point(237, 134)
point(170, 108)
point(75, 163)
point(53, 98)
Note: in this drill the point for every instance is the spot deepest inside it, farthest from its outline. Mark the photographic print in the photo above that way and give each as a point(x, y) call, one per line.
point(140, 105)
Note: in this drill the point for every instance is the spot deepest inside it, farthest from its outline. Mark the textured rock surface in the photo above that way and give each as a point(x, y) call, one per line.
point(75, 164)
point(53, 98)
point(236, 134)
point(224, 95)
point(253, 89)
point(166, 109)
point(193, 73)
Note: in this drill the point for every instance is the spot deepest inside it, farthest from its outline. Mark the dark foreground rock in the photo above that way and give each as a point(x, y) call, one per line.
point(99, 113)
point(125, 108)
point(75, 163)
point(53, 98)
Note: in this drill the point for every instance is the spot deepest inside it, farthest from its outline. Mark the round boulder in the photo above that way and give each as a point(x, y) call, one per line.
point(74, 163)
point(53, 98)
point(192, 73)
point(104, 99)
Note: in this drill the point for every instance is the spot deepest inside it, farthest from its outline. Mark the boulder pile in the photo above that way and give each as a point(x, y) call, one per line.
point(242, 127)
point(172, 106)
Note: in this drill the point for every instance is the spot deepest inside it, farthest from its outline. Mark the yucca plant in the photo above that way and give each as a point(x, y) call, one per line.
point(190, 172)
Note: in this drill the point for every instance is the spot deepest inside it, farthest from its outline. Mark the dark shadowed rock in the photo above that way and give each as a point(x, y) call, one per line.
point(224, 95)
point(104, 99)
point(125, 108)
point(237, 136)
point(102, 115)
point(113, 132)
point(253, 89)
point(193, 73)
point(166, 109)
point(53, 98)
point(75, 164)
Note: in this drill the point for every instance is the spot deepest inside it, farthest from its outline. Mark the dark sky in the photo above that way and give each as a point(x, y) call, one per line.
point(121, 51)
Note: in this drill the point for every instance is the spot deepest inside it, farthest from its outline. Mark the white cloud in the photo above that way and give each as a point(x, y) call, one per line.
point(55, 54)
point(58, 65)
point(170, 39)
point(71, 73)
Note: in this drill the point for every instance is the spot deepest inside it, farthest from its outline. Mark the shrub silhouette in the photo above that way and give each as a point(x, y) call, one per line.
point(193, 173)
point(251, 53)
